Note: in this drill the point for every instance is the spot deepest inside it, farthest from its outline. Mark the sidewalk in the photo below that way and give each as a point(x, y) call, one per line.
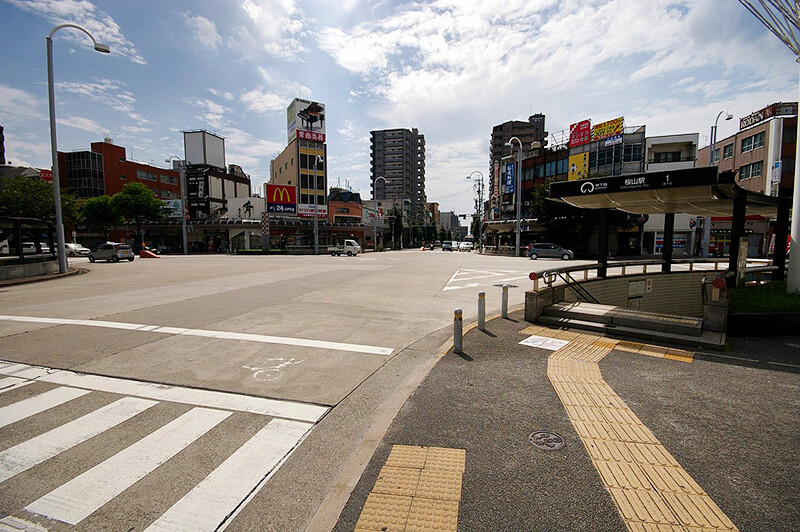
point(727, 436)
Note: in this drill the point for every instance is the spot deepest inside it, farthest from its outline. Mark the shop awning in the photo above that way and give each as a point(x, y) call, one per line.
point(694, 191)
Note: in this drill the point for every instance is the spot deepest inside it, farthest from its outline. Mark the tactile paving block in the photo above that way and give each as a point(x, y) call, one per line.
point(608, 451)
point(397, 481)
point(643, 506)
point(655, 527)
point(652, 454)
point(445, 458)
point(671, 479)
point(431, 515)
point(444, 484)
point(386, 513)
point(698, 511)
point(680, 358)
point(407, 456)
point(624, 475)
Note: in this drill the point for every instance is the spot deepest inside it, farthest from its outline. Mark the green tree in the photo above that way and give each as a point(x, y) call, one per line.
point(137, 205)
point(475, 227)
point(31, 197)
point(98, 213)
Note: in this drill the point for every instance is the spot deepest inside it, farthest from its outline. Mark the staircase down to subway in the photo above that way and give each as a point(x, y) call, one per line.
point(687, 307)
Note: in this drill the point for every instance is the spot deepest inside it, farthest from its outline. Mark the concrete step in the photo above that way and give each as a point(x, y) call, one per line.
point(630, 318)
point(706, 340)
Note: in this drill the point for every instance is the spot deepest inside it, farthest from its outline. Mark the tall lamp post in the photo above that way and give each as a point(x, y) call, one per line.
point(182, 172)
point(62, 256)
point(712, 161)
point(375, 220)
point(316, 206)
point(782, 18)
point(517, 191)
point(479, 186)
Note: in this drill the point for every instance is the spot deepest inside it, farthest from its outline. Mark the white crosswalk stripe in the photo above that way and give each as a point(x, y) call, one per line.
point(23, 456)
point(12, 383)
point(37, 404)
point(80, 497)
point(211, 504)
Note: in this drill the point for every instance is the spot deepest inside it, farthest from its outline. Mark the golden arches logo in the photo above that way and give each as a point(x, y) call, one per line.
point(281, 195)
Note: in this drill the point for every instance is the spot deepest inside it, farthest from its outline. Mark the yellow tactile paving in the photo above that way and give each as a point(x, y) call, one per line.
point(387, 513)
point(445, 458)
point(648, 486)
point(397, 481)
point(407, 456)
point(442, 484)
point(432, 515)
point(418, 489)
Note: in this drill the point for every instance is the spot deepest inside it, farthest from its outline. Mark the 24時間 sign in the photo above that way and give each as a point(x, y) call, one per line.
point(282, 199)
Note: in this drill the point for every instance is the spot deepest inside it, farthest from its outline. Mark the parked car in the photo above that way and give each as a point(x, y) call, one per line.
point(111, 251)
point(448, 245)
point(465, 246)
point(76, 250)
point(547, 250)
point(29, 248)
point(349, 247)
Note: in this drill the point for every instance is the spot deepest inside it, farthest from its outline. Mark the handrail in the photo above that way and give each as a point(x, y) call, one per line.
point(578, 288)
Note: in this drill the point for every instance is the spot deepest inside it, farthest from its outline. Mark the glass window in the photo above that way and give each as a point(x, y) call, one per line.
point(752, 142)
point(749, 171)
point(667, 157)
point(632, 152)
point(727, 151)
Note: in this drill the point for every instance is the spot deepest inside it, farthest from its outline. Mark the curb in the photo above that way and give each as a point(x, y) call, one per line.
point(332, 506)
point(40, 278)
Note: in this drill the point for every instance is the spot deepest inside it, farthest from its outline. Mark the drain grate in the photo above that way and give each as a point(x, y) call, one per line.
point(547, 441)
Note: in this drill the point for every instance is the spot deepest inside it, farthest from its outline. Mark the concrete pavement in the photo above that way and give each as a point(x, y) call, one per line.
point(730, 432)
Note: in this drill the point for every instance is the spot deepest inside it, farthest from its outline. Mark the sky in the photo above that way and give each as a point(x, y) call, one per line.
point(450, 68)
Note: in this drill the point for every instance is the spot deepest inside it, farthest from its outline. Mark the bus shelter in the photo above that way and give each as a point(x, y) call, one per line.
point(694, 191)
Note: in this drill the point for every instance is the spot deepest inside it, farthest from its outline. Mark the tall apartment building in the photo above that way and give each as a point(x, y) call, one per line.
point(398, 155)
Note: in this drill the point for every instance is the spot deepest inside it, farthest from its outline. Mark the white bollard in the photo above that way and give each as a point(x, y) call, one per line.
point(482, 311)
point(457, 331)
point(504, 307)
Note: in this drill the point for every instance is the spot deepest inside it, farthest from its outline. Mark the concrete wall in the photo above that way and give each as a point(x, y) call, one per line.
point(672, 293)
point(20, 271)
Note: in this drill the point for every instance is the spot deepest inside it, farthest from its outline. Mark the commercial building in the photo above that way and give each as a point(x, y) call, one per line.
point(398, 156)
point(105, 169)
point(762, 153)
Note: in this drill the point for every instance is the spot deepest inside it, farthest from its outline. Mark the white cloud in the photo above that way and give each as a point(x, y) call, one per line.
point(84, 14)
point(261, 101)
point(276, 27)
point(18, 106)
point(220, 94)
point(204, 31)
point(212, 113)
point(136, 130)
point(82, 123)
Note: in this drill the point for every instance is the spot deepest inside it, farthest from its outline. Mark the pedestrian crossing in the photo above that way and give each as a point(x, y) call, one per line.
point(472, 278)
point(48, 419)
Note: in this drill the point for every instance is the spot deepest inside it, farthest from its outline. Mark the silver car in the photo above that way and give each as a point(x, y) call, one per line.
point(111, 251)
point(547, 250)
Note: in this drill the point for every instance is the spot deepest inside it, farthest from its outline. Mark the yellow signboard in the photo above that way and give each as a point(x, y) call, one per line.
point(579, 166)
point(607, 129)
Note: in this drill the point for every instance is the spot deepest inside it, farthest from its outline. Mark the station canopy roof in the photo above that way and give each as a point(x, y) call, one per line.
point(695, 191)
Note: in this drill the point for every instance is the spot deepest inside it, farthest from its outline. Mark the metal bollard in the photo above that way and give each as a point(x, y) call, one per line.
point(457, 328)
point(504, 308)
point(482, 311)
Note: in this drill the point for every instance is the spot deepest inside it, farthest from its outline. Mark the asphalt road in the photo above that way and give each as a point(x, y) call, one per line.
point(351, 336)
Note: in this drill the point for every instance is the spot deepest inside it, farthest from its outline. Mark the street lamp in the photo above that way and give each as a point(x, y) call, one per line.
point(62, 257)
point(375, 220)
point(712, 161)
point(316, 206)
point(479, 186)
point(182, 172)
point(517, 191)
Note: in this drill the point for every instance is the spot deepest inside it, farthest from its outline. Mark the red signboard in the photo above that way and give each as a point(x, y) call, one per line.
point(308, 135)
point(580, 133)
point(282, 199)
point(47, 175)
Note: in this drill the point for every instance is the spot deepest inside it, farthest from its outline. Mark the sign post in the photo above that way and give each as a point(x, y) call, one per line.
point(265, 231)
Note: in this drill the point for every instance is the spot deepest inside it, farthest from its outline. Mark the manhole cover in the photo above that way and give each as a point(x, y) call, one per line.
point(510, 286)
point(547, 441)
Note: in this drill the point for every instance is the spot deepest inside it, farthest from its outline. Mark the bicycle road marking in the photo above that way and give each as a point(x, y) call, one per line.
point(220, 335)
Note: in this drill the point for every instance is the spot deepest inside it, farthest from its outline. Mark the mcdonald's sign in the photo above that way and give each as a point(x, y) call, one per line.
point(282, 199)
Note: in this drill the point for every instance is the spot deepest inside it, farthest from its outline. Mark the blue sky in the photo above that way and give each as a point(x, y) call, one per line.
point(451, 68)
